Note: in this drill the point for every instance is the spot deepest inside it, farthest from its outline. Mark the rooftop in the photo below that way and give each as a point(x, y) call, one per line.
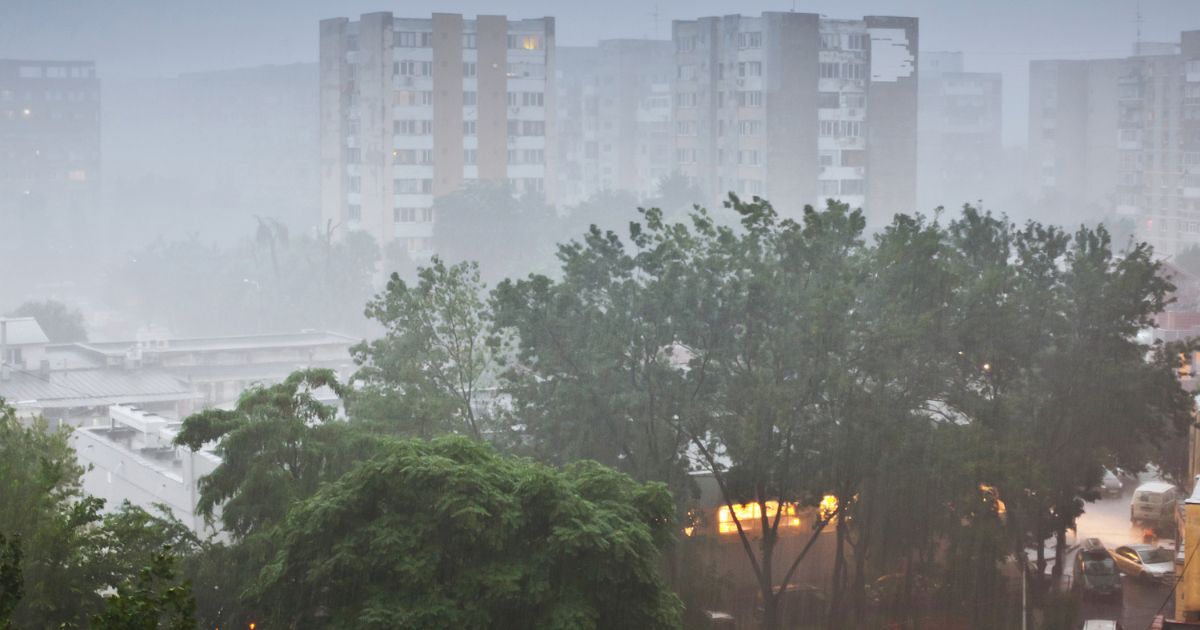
point(90, 388)
point(21, 331)
point(219, 344)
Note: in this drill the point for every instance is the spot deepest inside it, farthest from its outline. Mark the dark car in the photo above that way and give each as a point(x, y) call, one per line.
point(1096, 573)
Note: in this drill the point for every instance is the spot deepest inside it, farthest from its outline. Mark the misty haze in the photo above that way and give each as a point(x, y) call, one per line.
point(528, 314)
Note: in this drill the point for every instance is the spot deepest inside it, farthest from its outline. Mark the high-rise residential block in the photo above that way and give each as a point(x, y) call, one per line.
point(49, 140)
point(797, 108)
point(413, 108)
point(959, 126)
point(614, 118)
point(1121, 137)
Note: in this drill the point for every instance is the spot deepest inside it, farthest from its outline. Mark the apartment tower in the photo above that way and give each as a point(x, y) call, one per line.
point(1121, 137)
point(414, 108)
point(798, 109)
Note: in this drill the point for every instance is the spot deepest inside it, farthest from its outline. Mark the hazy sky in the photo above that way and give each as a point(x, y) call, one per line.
point(138, 38)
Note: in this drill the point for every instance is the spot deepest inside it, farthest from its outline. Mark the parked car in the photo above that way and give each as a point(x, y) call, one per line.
point(714, 620)
point(1111, 485)
point(1153, 504)
point(1101, 624)
point(1145, 561)
point(1096, 573)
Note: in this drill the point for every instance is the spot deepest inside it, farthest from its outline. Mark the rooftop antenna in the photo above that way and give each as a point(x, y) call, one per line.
point(1138, 20)
point(655, 15)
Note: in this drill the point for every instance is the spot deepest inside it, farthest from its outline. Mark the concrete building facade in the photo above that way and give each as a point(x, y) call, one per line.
point(959, 127)
point(798, 109)
point(410, 109)
point(49, 138)
point(1122, 137)
point(614, 118)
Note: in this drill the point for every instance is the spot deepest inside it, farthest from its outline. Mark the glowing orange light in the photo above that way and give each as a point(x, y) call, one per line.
point(750, 514)
point(529, 42)
point(828, 507)
point(991, 495)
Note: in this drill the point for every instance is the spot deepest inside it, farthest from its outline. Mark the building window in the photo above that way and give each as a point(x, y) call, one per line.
point(353, 156)
point(750, 127)
point(470, 99)
point(469, 41)
point(468, 127)
point(829, 70)
point(750, 99)
point(412, 186)
point(352, 42)
point(687, 72)
point(858, 41)
point(827, 158)
point(469, 156)
point(412, 127)
point(355, 185)
point(524, 42)
point(685, 44)
point(354, 212)
point(750, 40)
point(410, 68)
point(831, 41)
point(533, 156)
point(411, 39)
point(688, 127)
point(750, 69)
point(685, 99)
point(829, 187)
point(469, 68)
point(853, 71)
point(533, 99)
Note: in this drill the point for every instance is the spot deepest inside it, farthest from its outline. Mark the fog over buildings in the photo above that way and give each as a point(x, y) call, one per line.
point(130, 130)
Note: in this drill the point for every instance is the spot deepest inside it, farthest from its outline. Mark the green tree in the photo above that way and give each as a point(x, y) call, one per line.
point(12, 584)
point(156, 599)
point(61, 323)
point(277, 446)
point(449, 534)
point(425, 375)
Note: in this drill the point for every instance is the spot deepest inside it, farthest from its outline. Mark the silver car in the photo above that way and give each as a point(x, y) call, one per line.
point(1145, 561)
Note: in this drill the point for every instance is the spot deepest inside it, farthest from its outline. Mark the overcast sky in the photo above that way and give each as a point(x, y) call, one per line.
point(143, 38)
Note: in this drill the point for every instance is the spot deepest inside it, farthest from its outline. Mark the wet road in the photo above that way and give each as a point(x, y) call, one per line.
point(1108, 520)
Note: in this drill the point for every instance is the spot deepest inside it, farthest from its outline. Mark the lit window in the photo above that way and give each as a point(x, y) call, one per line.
point(750, 516)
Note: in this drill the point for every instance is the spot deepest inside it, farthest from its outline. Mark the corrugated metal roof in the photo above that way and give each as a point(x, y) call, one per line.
point(21, 331)
point(90, 388)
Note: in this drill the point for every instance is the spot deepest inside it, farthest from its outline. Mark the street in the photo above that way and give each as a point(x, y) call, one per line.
point(1108, 520)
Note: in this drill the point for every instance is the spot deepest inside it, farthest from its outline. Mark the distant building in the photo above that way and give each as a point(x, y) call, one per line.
point(128, 456)
point(959, 125)
point(49, 139)
point(75, 383)
point(411, 108)
point(614, 118)
point(797, 109)
point(1122, 136)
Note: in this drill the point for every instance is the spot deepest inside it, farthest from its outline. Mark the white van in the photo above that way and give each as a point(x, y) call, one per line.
point(1153, 504)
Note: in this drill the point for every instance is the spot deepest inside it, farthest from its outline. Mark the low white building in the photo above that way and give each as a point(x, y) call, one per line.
point(131, 457)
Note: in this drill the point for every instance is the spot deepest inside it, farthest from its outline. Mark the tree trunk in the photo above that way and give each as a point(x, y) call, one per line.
point(767, 582)
point(837, 601)
point(1060, 556)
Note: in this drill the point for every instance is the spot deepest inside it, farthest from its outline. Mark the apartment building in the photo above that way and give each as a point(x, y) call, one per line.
point(412, 108)
point(49, 139)
point(798, 109)
point(959, 130)
point(614, 118)
point(1122, 137)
